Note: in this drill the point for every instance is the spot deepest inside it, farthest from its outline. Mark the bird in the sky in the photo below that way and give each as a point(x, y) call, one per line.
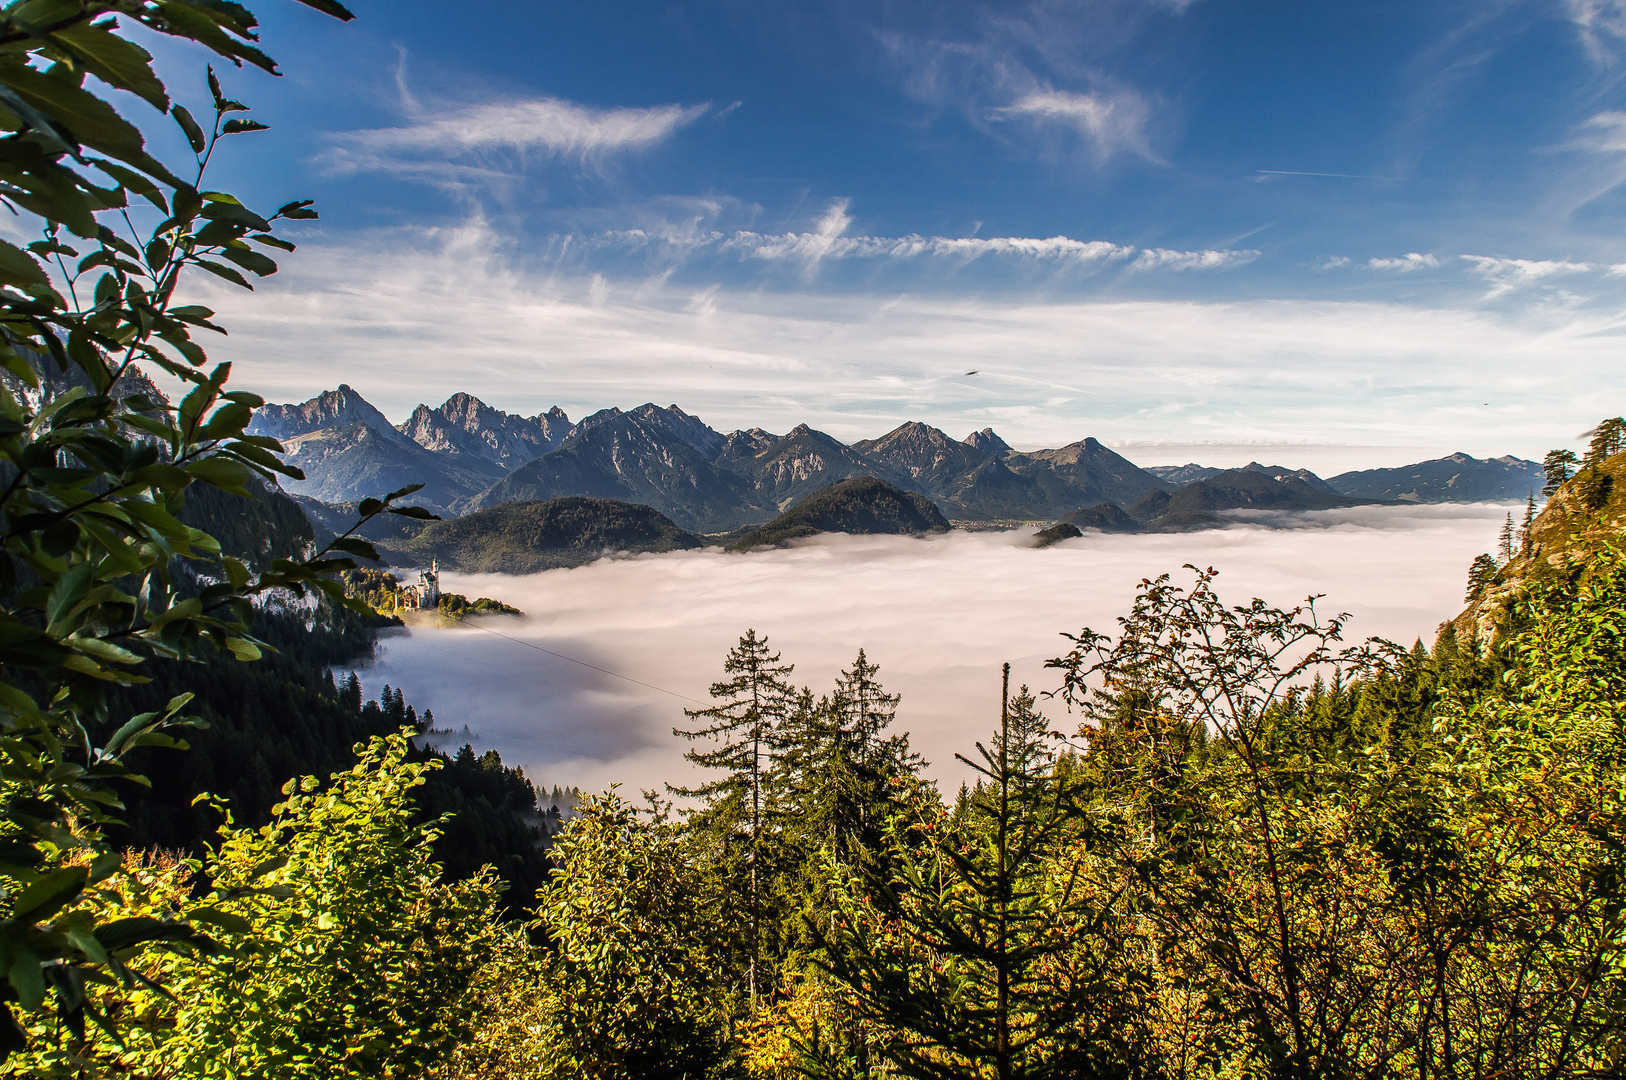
point(973, 371)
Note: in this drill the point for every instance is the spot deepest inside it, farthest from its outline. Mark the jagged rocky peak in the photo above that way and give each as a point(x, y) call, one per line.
point(690, 430)
point(750, 443)
point(329, 409)
point(466, 425)
point(988, 442)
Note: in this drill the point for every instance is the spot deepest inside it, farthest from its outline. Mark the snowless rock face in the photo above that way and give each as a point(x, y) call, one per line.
point(330, 409)
point(466, 425)
point(988, 442)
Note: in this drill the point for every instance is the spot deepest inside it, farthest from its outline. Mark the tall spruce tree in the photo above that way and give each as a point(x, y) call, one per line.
point(1505, 543)
point(1527, 524)
point(1481, 576)
point(1558, 466)
point(751, 706)
point(981, 953)
point(1608, 439)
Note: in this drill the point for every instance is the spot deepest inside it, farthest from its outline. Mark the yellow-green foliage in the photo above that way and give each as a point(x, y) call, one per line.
point(343, 954)
point(637, 990)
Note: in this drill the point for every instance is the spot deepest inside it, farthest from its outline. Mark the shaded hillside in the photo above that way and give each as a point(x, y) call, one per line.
point(793, 466)
point(1458, 478)
point(1061, 530)
point(1105, 517)
point(466, 425)
point(652, 456)
point(863, 504)
point(924, 455)
point(1195, 505)
point(524, 537)
point(359, 461)
point(1198, 504)
point(1089, 473)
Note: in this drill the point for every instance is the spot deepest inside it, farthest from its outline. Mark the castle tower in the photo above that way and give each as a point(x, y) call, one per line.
point(429, 586)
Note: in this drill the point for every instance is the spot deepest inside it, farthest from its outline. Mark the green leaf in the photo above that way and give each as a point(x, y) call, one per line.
point(330, 7)
point(353, 545)
point(238, 127)
point(223, 272)
point(225, 920)
point(19, 268)
point(46, 896)
point(114, 59)
point(299, 210)
point(27, 980)
point(234, 213)
point(194, 134)
point(250, 260)
point(243, 649)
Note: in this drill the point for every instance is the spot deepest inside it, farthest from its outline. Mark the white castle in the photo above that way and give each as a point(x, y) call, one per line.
point(425, 595)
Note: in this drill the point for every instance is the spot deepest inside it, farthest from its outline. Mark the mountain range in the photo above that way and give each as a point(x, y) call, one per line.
point(472, 457)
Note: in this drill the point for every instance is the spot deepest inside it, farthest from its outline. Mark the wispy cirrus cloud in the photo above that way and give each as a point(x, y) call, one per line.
point(1505, 275)
point(1405, 264)
point(465, 139)
point(1214, 259)
point(1111, 121)
point(1602, 26)
point(1604, 133)
point(829, 240)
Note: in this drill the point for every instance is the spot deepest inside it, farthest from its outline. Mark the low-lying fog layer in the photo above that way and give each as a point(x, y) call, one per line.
point(939, 615)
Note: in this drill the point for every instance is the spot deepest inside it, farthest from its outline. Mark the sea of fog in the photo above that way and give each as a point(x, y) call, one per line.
point(585, 689)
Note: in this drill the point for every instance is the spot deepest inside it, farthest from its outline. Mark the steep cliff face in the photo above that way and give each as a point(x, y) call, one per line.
point(1587, 511)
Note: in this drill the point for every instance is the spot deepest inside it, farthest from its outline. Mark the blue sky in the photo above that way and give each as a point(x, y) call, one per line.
point(1321, 232)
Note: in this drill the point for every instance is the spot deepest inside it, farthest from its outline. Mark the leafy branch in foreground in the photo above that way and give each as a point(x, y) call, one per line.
point(98, 574)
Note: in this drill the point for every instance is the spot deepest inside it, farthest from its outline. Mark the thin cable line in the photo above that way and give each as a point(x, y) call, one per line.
point(585, 664)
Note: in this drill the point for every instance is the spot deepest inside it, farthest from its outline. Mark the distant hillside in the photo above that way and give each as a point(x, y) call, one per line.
point(653, 456)
point(1458, 478)
point(1181, 475)
point(863, 504)
point(785, 469)
point(524, 537)
point(1088, 473)
point(1197, 504)
point(1104, 517)
point(359, 460)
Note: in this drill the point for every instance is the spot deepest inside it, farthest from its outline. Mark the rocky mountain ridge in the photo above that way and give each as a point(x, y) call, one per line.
point(471, 456)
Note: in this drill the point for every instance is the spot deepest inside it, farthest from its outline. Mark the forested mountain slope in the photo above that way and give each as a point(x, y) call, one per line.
point(285, 715)
point(1585, 513)
point(524, 537)
point(861, 505)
